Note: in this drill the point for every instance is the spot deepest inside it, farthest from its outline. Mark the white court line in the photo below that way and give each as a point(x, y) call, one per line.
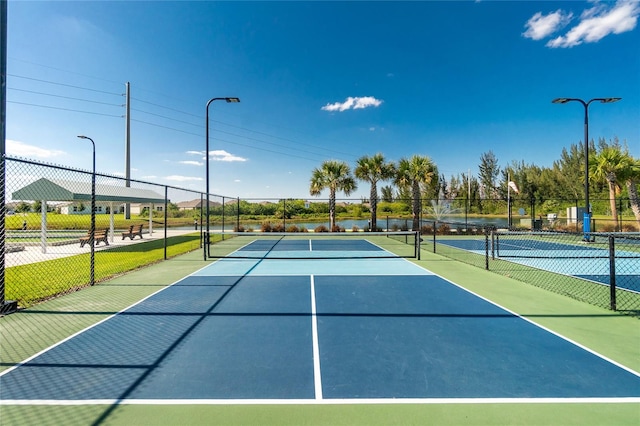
point(317, 376)
point(337, 401)
point(89, 327)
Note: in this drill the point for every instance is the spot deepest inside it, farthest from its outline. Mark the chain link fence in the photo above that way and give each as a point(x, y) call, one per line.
point(602, 269)
point(48, 248)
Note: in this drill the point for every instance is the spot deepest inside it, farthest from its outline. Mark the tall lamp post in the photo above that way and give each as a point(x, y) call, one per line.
point(586, 224)
point(93, 211)
point(206, 234)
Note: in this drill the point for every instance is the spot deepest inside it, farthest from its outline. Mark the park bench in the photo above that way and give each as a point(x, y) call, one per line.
point(133, 231)
point(98, 236)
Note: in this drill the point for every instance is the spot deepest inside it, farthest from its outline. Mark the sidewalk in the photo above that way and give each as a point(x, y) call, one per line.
point(33, 253)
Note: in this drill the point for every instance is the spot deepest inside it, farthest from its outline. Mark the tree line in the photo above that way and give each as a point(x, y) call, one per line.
point(613, 172)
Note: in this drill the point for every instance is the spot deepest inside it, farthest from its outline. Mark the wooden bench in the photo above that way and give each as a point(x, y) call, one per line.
point(98, 236)
point(133, 231)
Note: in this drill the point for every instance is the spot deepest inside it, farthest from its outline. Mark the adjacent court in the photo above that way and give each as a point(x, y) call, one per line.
point(584, 261)
point(316, 330)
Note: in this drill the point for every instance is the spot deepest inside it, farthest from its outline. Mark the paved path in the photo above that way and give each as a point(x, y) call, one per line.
point(34, 253)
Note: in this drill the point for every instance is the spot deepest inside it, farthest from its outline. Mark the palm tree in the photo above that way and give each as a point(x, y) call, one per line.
point(373, 169)
point(611, 165)
point(387, 193)
point(631, 177)
point(412, 173)
point(335, 176)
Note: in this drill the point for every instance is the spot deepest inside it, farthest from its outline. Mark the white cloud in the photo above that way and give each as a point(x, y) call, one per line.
point(540, 26)
point(600, 21)
point(595, 23)
point(178, 178)
point(353, 103)
point(21, 149)
point(222, 155)
point(216, 155)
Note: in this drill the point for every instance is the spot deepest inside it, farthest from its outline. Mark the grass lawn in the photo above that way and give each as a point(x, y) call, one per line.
point(24, 283)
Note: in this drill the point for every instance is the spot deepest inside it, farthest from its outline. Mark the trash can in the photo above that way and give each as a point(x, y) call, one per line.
point(537, 225)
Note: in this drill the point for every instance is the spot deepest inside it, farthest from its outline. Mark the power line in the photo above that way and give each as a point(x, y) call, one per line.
point(64, 97)
point(165, 117)
point(236, 127)
point(262, 141)
point(225, 141)
point(63, 70)
point(65, 85)
point(64, 109)
point(166, 107)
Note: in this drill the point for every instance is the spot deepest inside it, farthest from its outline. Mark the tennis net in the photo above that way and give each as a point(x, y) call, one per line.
point(315, 245)
point(559, 245)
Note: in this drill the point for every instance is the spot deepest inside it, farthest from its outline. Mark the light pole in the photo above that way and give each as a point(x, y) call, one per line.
point(586, 224)
point(92, 230)
point(206, 234)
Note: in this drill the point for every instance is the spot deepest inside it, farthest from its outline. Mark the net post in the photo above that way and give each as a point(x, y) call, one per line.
point(434, 235)
point(612, 273)
point(486, 249)
point(418, 240)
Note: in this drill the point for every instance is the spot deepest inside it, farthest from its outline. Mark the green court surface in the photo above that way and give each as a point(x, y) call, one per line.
point(614, 336)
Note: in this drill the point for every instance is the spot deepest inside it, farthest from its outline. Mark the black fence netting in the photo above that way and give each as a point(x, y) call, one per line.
point(48, 247)
point(602, 269)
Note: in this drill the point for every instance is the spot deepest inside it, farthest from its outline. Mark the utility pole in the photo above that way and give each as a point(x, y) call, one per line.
point(6, 306)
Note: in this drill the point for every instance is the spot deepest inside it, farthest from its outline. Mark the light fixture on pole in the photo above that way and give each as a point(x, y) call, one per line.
point(92, 230)
point(586, 224)
point(206, 234)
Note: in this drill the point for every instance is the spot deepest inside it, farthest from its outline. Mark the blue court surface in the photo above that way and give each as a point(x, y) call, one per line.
point(315, 331)
point(589, 263)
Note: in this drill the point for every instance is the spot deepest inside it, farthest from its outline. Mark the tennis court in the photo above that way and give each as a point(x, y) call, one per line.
point(588, 261)
point(350, 324)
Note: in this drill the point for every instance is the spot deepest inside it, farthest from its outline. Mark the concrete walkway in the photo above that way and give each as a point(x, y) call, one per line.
point(32, 253)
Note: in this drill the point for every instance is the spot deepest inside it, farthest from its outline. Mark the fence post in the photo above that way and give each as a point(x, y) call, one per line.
point(486, 249)
point(201, 215)
point(435, 223)
point(494, 242)
point(166, 207)
point(612, 272)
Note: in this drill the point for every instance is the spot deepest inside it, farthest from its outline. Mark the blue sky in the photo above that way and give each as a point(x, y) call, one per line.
point(317, 80)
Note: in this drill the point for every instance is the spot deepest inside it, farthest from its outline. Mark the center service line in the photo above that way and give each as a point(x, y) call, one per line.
point(317, 378)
